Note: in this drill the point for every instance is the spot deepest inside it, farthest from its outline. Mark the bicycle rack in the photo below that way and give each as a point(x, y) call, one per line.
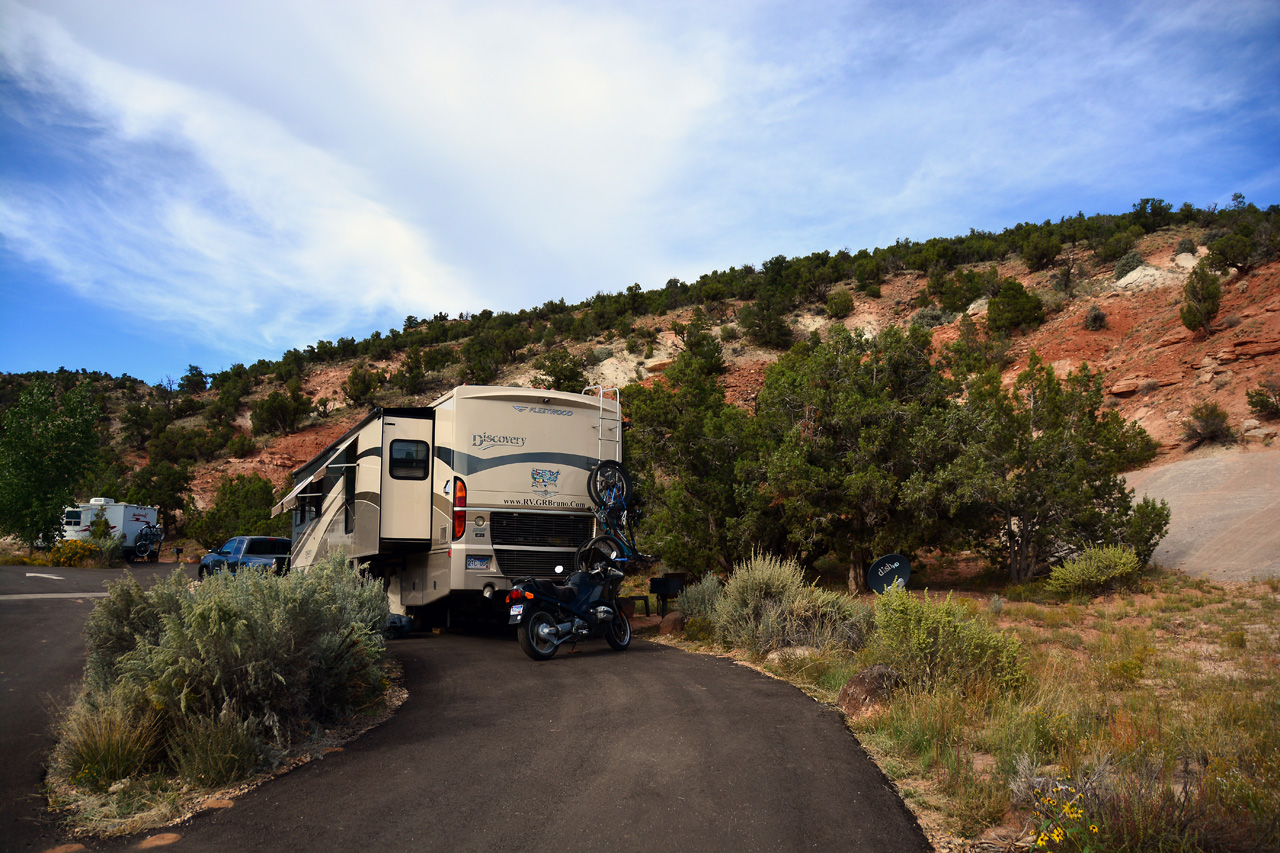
point(605, 418)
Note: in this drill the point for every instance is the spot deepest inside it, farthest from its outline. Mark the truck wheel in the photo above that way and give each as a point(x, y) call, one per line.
point(533, 633)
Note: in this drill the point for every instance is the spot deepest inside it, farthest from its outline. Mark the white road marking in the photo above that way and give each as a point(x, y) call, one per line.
point(50, 577)
point(53, 595)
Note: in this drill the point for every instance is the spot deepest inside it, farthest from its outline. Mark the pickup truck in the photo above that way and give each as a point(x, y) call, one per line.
point(259, 552)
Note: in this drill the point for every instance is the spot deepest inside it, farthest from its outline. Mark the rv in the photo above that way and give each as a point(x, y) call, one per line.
point(129, 520)
point(449, 503)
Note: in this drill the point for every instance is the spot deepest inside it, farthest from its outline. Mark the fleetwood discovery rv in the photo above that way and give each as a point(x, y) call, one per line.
point(454, 500)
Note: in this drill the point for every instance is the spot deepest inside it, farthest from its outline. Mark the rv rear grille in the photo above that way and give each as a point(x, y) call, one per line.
point(541, 529)
point(518, 563)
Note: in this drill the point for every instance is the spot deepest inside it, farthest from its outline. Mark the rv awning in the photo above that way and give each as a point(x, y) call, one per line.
point(291, 499)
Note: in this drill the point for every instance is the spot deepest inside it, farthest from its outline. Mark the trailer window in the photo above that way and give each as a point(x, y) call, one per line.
point(72, 518)
point(409, 459)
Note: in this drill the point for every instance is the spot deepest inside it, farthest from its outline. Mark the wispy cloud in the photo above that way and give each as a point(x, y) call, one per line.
point(318, 168)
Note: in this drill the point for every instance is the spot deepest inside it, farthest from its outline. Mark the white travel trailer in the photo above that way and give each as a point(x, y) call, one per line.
point(450, 502)
point(127, 519)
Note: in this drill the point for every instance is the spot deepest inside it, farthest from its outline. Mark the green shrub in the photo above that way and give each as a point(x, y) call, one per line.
point(242, 445)
point(110, 549)
point(212, 752)
point(873, 290)
point(288, 651)
point(1095, 570)
point(1014, 307)
point(72, 553)
point(1208, 422)
point(699, 629)
point(729, 333)
point(102, 740)
point(932, 315)
point(839, 304)
point(933, 642)
point(1128, 264)
point(1040, 251)
point(1201, 296)
point(1186, 246)
point(766, 605)
point(1264, 400)
point(699, 599)
point(1095, 319)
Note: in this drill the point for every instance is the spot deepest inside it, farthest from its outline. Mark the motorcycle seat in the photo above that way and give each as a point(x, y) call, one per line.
point(560, 593)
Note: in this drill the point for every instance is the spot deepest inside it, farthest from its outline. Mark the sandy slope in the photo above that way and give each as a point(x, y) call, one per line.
point(1226, 512)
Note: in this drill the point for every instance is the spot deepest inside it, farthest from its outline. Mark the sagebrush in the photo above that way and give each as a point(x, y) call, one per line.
point(766, 604)
point(207, 680)
point(1095, 570)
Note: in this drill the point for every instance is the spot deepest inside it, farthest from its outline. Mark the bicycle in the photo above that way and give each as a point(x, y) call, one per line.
point(150, 536)
point(609, 487)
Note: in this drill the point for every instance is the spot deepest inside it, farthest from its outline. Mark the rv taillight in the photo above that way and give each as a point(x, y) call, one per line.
point(459, 508)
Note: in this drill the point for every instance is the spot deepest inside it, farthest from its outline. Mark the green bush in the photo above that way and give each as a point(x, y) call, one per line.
point(933, 643)
point(212, 752)
point(1186, 246)
point(103, 740)
point(1014, 307)
point(1095, 319)
point(839, 304)
point(1201, 296)
point(1264, 400)
point(699, 629)
point(699, 599)
point(1208, 422)
point(1128, 264)
point(932, 315)
point(1040, 251)
point(766, 604)
point(1095, 570)
point(242, 445)
point(286, 652)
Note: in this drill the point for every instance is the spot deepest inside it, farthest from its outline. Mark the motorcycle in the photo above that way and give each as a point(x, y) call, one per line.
point(548, 614)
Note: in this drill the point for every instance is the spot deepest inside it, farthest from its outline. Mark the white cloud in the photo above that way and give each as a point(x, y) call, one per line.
point(332, 165)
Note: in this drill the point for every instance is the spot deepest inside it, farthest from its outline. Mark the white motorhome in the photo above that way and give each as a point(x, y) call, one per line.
point(126, 519)
point(452, 501)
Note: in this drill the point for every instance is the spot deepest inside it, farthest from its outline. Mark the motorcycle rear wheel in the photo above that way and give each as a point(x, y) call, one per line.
point(531, 642)
point(618, 631)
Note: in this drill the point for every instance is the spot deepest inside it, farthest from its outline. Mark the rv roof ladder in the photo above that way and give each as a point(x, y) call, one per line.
point(609, 427)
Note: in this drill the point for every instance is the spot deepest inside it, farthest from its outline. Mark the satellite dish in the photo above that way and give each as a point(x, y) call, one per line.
point(887, 571)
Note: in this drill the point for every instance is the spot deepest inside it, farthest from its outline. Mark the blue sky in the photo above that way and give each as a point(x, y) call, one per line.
point(206, 183)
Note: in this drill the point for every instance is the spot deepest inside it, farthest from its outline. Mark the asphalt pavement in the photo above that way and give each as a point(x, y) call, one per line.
point(42, 613)
point(648, 749)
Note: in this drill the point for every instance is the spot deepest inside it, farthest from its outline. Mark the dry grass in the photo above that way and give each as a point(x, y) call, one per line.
point(1157, 710)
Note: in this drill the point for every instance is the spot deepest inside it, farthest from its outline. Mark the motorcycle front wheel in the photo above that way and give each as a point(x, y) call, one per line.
point(534, 636)
point(618, 631)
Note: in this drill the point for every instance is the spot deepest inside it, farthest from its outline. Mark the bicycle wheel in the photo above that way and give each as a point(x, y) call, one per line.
point(609, 484)
point(603, 549)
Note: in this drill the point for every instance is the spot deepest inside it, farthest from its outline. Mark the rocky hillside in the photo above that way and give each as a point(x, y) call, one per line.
point(1154, 369)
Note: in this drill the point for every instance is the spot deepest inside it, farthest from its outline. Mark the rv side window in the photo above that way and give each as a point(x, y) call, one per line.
point(72, 518)
point(409, 459)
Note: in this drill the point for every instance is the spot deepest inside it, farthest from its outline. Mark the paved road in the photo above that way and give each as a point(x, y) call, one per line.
point(41, 659)
point(1225, 505)
point(649, 749)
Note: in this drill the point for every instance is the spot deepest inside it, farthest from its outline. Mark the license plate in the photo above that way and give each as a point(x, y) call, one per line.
point(478, 563)
point(516, 610)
